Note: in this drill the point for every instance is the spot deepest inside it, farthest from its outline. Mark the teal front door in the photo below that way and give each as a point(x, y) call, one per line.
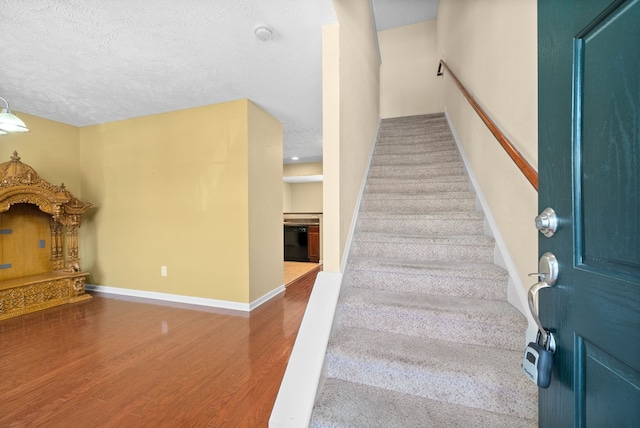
point(589, 173)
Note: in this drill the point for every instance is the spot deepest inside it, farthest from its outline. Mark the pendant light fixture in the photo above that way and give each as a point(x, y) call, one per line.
point(9, 122)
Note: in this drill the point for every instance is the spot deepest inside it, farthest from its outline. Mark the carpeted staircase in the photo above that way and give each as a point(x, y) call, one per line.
point(424, 336)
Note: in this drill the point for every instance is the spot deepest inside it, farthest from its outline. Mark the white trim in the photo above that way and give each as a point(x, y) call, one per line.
point(178, 298)
point(266, 297)
point(516, 294)
point(303, 179)
point(300, 384)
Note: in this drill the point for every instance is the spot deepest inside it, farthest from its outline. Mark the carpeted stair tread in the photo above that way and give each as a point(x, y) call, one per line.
point(412, 205)
point(454, 177)
point(470, 375)
point(458, 319)
point(444, 148)
point(425, 185)
point(469, 248)
point(343, 404)
point(424, 239)
point(436, 129)
point(432, 223)
point(463, 215)
point(384, 172)
point(466, 194)
point(441, 147)
point(424, 174)
point(413, 160)
point(445, 269)
point(479, 280)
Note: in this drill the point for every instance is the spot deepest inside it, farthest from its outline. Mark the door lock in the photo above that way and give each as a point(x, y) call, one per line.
point(547, 222)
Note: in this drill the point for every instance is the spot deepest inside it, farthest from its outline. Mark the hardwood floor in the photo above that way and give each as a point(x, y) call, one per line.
point(131, 363)
point(295, 270)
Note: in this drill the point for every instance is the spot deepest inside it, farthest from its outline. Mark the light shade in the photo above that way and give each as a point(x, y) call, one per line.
point(9, 122)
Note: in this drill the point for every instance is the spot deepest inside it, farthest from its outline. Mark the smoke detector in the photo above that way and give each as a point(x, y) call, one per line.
point(263, 32)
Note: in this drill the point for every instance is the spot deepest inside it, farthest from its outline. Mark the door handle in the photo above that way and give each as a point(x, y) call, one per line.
point(548, 276)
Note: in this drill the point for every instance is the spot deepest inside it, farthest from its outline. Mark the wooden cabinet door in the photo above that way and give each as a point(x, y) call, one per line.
point(314, 243)
point(25, 247)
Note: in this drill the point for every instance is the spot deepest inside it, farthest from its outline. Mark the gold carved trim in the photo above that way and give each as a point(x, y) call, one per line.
point(40, 292)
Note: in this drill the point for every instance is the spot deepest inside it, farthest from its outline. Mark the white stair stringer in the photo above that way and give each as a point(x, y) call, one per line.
point(423, 334)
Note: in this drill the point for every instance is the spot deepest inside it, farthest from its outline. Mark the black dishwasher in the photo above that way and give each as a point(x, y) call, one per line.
point(296, 244)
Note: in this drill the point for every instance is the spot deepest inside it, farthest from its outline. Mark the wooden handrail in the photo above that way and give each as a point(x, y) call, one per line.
point(524, 166)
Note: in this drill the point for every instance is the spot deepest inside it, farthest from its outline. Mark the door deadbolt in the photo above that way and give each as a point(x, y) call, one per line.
point(547, 222)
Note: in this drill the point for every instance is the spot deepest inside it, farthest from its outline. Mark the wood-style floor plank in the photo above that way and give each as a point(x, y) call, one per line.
point(111, 362)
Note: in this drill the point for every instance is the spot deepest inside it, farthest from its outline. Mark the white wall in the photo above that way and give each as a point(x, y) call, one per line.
point(351, 100)
point(492, 48)
point(409, 84)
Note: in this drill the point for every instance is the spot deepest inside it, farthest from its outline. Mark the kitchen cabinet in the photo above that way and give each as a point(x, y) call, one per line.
point(314, 243)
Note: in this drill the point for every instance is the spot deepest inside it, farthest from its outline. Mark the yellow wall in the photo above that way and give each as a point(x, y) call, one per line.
point(302, 197)
point(286, 197)
point(306, 198)
point(409, 84)
point(266, 241)
point(351, 95)
point(172, 189)
point(306, 168)
point(492, 48)
point(51, 148)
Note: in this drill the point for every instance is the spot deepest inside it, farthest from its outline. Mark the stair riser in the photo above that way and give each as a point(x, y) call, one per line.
point(421, 323)
point(411, 161)
point(408, 174)
point(414, 173)
point(444, 149)
point(421, 227)
point(418, 205)
point(428, 251)
point(418, 187)
point(481, 288)
point(416, 135)
point(477, 392)
point(414, 144)
point(428, 176)
point(414, 158)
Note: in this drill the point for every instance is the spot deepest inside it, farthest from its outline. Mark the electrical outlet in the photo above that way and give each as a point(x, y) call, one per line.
point(163, 271)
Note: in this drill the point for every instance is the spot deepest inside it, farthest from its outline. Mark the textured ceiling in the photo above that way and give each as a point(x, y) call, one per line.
point(85, 62)
point(396, 13)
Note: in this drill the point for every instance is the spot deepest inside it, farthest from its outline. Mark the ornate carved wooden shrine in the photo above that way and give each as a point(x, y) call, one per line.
point(38, 220)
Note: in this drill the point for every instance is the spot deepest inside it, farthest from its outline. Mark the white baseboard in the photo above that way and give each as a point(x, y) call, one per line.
point(516, 292)
point(191, 300)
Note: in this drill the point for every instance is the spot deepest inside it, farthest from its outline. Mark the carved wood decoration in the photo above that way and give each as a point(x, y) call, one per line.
point(64, 282)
